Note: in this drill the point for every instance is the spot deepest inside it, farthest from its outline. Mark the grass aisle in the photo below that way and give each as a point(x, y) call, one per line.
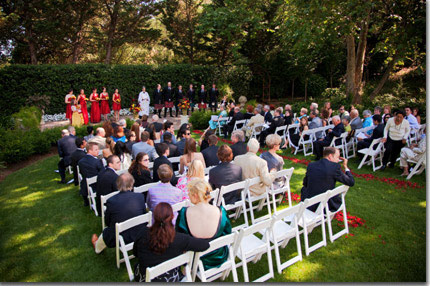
point(46, 233)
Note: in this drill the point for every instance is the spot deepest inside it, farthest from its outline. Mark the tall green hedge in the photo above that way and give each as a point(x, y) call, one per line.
point(18, 83)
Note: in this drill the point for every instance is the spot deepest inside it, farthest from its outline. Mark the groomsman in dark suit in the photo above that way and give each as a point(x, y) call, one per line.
point(168, 94)
point(106, 179)
point(179, 96)
point(158, 100)
point(66, 146)
point(213, 98)
point(80, 152)
point(202, 98)
point(191, 94)
point(119, 208)
point(89, 166)
point(322, 176)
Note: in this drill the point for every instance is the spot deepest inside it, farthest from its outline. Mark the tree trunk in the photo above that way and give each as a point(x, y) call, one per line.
point(112, 29)
point(359, 65)
point(384, 77)
point(75, 53)
point(31, 46)
point(350, 65)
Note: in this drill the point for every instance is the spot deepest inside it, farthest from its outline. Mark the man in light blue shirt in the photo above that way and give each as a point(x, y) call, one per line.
point(169, 128)
point(143, 146)
point(413, 122)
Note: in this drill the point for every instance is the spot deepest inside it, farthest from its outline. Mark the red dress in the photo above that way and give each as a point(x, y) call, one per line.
point(95, 108)
point(105, 103)
point(69, 107)
point(116, 105)
point(84, 110)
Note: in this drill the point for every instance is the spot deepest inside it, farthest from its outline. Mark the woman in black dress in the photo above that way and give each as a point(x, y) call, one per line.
point(140, 171)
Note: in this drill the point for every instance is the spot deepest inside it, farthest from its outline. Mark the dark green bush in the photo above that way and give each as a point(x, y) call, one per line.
point(200, 119)
point(14, 146)
point(27, 117)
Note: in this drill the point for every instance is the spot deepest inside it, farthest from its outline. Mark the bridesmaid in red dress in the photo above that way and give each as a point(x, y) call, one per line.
point(83, 102)
point(116, 104)
point(105, 110)
point(68, 100)
point(95, 107)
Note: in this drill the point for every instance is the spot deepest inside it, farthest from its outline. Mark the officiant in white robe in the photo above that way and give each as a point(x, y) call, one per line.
point(144, 101)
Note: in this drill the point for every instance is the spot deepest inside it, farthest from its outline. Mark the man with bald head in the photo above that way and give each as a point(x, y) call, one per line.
point(99, 138)
point(336, 131)
point(355, 120)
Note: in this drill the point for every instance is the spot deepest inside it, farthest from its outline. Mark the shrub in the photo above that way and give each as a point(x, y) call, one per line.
point(200, 119)
point(14, 146)
point(27, 118)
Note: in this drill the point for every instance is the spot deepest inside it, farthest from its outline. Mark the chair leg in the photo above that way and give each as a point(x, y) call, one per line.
point(362, 161)
point(245, 269)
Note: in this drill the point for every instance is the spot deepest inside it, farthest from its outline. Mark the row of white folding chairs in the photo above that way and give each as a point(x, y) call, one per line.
point(306, 144)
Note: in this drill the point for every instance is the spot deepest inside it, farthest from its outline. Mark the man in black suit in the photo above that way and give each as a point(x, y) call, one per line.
point(191, 94)
point(267, 115)
point(239, 146)
point(163, 153)
point(106, 179)
point(89, 166)
point(158, 100)
point(337, 131)
point(322, 176)
point(168, 94)
point(276, 122)
point(378, 132)
point(228, 128)
point(226, 173)
point(213, 98)
point(79, 153)
point(179, 96)
point(66, 146)
point(173, 149)
point(184, 133)
point(232, 106)
point(210, 153)
point(202, 98)
point(119, 208)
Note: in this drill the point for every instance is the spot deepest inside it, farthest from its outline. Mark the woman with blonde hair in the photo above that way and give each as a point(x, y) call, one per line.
point(203, 220)
point(190, 153)
point(196, 170)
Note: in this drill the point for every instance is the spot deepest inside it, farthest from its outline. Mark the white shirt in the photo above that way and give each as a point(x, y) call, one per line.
point(413, 122)
point(144, 101)
point(397, 132)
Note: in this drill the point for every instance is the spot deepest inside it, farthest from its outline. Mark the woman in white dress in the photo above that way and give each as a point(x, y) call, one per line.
point(144, 101)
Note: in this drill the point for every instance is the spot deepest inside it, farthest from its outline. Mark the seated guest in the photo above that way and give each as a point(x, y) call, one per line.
point(203, 141)
point(355, 120)
point(327, 106)
point(90, 132)
point(139, 169)
point(376, 110)
point(225, 173)
point(277, 121)
point(322, 176)
point(119, 208)
point(211, 159)
point(316, 122)
point(386, 118)
point(99, 138)
point(157, 125)
point(249, 112)
point(336, 132)
point(89, 166)
point(295, 137)
point(123, 154)
point(110, 148)
point(106, 179)
point(131, 139)
point(163, 154)
point(144, 122)
point(414, 152)
point(195, 170)
point(107, 126)
point(367, 115)
point(118, 134)
point(190, 153)
point(274, 161)
point(230, 110)
point(167, 138)
point(228, 128)
point(387, 110)
point(378, 132)
point(66, 146)
point(183, 133)
point(160, 243)
point(143, 146)
point(343, 112)
point(213, 124)
point(79, 153)
point(413, 122)
point(256, 119)
point(123, 123)
point(415, 112)
point(203, 220)
point(168, 128)
point(136, 129)
point(325, 115)
point(253, 166)
point(288, 117)
point(303, 113)
point(346, 125)
point(239, 145)
point(152, 134)
point(266, 113)
point(164, 191)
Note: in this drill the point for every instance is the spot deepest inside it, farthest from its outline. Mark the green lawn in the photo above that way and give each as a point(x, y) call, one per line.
point(46, 233)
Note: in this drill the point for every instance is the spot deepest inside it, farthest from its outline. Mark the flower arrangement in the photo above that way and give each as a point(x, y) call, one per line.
point(134, 108)
point(184, 104)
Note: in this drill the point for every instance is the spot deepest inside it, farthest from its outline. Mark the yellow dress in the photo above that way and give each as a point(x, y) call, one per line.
point(77, 118)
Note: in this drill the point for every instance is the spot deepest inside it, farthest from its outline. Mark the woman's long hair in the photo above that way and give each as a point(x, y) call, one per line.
point(136, 128)
point(120, 149)
point(162, 231)
point(135, 166)
point(190, 147)
point(107, 126)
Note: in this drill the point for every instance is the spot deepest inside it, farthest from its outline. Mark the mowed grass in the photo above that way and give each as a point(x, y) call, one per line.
point(46, 232)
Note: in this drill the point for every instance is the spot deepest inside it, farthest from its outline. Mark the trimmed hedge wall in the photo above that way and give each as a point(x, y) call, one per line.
point(18, 83)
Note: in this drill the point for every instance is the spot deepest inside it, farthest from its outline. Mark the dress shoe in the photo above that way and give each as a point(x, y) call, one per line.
point(94, 239)
point(383, 167)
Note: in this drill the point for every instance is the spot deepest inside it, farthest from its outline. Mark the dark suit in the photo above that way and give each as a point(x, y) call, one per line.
point(119, 208)
point(239, 148)
point(158, 99)
point(202, 96)
point(75, 157)
point(179, 95)
point(319, 145)
point(66, 146)
point(277, 121)
point(225, 174)
point(322, 176)
point(181, 146)
point(106, 184)
point(168, 95)
point(378, 132)
point(268, 117)
point(191, 94)
point(157, 163)
point(89, 166)
point(248, 115)
point(210, 155)
point(228, 128)
point(213, 99)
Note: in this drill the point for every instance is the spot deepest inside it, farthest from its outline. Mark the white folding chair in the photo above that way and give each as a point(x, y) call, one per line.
point(284, 175)
point(144, 188)
point(174, 160)
point(312, 219)
point(69, 168)
point(349, 145)
point(157, 141)
point(119, 172)
point(103, 200)
point(221, 271)
point(249, 247)
point(178, 206)
point(214, 195)
point(206, 170)
point(219, 125)
point(239, 124)
point(341, 190)
point(419, 166)
point(292, 128)
point(151, 166)
point(122, 247)
point(185, 259)
point(339, 142)
point(79, 175)
point(306, 144)
point(373, 154)
point(256, 130)
point(92, 194)
point(281, 232)
point(262, 199)
point(238, 206)
point(280, 130)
